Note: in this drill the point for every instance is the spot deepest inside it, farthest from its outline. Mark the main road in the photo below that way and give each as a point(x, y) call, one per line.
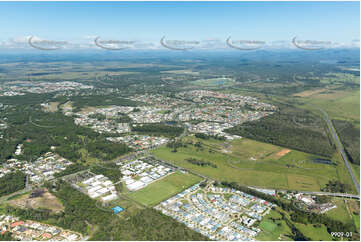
point(341, 150)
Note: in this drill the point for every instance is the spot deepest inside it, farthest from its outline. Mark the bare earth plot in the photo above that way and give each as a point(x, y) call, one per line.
point(46, 200)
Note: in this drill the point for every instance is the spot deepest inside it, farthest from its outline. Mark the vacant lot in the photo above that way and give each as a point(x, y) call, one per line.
point(252, 150)
point(46, 200)
point(302, 183)
point(52, 107)
point(164, 188)
point(214, 82)
point(316, 232)
point(309, 93)
point(252, 163)
point(338, 104)
point(340, 213)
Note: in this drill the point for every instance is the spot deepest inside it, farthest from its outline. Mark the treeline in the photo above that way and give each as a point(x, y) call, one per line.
point(12, 182)
point(71, 169)
point(105, 150)
point(350, 138)
point(98, 116)
point(6, 237)
point(201, 162)
point(27, 99)
point(281, 129)
point(296, 215)
point(208, 136)
point(336, 186)
point(123, 118)
point(174, 145)
point(158, 129)
point(39, 214)
point(109, 170)
point(296, 233)
point(147, 225)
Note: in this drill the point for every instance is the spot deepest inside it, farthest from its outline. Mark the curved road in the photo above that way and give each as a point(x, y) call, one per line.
point(341, 150)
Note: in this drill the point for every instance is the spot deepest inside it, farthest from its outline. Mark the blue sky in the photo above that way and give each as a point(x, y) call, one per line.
point(267, 21)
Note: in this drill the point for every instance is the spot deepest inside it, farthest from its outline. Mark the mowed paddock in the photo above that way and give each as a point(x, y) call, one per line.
point(45, 200)
point(164, 188)
point(252, 163)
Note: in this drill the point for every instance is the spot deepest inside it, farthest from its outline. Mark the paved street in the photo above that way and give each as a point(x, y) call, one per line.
point(341, 150)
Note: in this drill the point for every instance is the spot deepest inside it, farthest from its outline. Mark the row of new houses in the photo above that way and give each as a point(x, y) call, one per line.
point(43, 168)
point(208, 211)
point(31, 230)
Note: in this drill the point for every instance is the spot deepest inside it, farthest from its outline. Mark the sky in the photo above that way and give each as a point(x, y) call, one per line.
point(262, 21)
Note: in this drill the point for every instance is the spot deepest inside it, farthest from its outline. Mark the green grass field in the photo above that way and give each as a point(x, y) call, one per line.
point(356, 219)
point(342, 173)
point(316, 233)
point(340, 213)
point(343, 105)
point(273, 230)
point(214, 82)
point(164, 188)
point(251, 162)
point(356, 171)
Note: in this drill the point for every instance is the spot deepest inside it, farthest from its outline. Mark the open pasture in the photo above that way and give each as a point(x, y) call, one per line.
point(252, 163)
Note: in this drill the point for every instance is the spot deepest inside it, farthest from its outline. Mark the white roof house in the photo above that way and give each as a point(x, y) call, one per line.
point(135, 186)
point(107, 183)
point(93, 189)
point(109, 197)
point(88, 181)
point(96, 183)
point(129, 181)
point(99, 176)
point(146, 179)
point(103, 190)
point(94, 195)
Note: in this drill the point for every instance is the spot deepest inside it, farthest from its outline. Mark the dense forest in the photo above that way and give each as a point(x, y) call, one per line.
point(291, 129)
point(158, 129)
point(38, 131)
point(350, 138)
point(12, 182)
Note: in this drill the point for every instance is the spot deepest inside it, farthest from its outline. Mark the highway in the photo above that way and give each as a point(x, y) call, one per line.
point(341, 150)
point(345, 195)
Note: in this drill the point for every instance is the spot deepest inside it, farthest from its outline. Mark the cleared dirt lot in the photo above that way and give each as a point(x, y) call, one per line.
point(46, 200)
